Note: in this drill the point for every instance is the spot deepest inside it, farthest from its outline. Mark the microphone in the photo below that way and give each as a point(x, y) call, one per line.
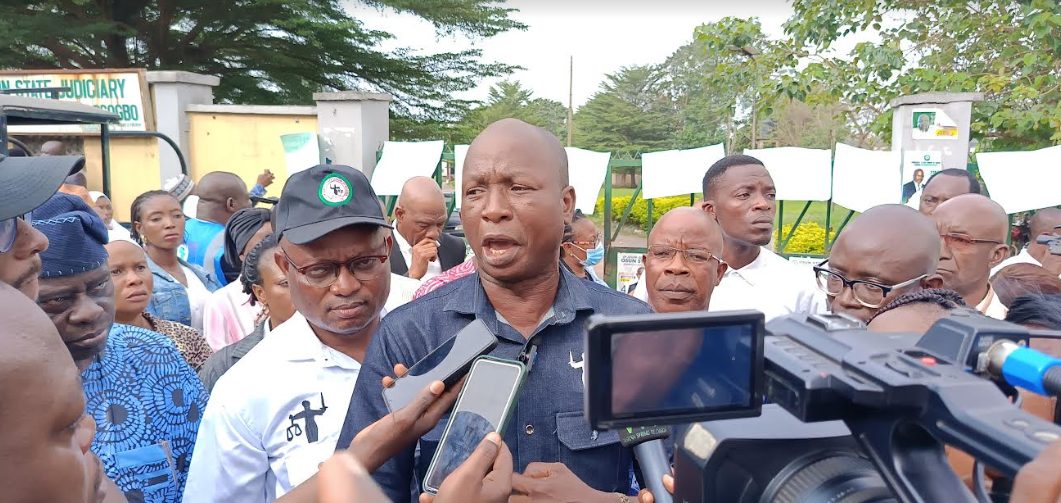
point(647, 442)
point(1024, 367)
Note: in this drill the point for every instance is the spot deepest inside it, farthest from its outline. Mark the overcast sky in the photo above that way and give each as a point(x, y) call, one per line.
point(602, 35)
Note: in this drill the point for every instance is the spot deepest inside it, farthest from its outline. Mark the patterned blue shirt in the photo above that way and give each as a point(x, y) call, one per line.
point(547, 423)
point(147, 403)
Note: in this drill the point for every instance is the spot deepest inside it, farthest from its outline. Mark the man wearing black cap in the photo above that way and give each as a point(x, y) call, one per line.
point(25, 184)
point(145, 399)
point(275, 416)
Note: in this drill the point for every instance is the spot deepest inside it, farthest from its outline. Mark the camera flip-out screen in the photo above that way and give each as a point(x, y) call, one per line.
point(673, 368)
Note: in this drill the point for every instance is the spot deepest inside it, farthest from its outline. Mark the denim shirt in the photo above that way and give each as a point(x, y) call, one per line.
point(547, 423)
point(169, 298)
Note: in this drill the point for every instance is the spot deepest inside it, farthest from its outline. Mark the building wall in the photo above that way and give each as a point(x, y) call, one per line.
point(134, 169)
point(244, 140)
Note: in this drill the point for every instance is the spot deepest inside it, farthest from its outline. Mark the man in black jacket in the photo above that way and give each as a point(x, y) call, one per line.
point(421, 251)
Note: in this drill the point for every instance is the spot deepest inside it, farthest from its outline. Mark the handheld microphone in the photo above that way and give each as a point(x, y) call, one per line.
point(647, 442)
point(1025, 367)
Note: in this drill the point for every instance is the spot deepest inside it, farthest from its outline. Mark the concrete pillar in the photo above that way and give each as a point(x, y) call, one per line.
point(172, 92)
point(954, 148)
point(353, 125)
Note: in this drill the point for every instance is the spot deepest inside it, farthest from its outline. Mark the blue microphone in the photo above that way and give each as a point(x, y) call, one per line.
point(1024, 367)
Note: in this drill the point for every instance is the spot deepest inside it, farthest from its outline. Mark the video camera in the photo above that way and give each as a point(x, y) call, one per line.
point(1052, 241)
point(853, 415)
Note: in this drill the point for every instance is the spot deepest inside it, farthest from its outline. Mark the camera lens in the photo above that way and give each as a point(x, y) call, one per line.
point(835, 477)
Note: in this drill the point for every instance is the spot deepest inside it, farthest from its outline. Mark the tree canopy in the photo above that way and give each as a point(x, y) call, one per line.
point(265, 51)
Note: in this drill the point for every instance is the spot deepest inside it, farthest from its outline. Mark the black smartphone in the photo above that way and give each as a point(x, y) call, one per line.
point(446, 363)
point(484, 405)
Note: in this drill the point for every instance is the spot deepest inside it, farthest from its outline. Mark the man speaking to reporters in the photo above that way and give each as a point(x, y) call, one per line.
point(516, 199)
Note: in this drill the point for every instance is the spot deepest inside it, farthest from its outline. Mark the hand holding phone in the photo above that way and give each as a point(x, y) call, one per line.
point(484, 406)
point(486, 477)
point(398, 430)
point(446, 363)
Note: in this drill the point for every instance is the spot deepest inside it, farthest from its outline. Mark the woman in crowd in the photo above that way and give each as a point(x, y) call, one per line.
point(266, 285)
point(180, 289)
point(102, 205)
point(582, 248)
point(132, 293)
point(230, 314)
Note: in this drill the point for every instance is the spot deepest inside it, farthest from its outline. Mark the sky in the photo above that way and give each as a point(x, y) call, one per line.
point(601, 35)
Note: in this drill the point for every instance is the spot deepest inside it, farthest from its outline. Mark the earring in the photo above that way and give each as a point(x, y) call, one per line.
point(262, 315)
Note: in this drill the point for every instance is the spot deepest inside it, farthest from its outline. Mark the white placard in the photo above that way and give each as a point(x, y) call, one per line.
point(301, 151)
point(586, 170)
point(932, 124)
point(1022, 181)
point(677, 172)
point(459, 153)
point(402, 160)
point(863, 178)
point(800, 174)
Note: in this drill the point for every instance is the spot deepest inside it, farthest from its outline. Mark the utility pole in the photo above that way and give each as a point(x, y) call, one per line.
point(571, 101)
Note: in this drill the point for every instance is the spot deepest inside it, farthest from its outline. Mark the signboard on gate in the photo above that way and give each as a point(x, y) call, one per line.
point(123, 92)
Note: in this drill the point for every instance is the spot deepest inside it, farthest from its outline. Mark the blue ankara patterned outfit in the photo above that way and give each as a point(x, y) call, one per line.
point(141, 393)
point(546, 425)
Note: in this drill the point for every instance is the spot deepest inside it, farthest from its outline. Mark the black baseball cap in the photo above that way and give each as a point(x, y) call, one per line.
point(28, 182)
point(325, 198)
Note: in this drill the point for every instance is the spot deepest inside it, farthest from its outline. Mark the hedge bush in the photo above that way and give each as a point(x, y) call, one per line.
point(809, 238)
point(639, 213)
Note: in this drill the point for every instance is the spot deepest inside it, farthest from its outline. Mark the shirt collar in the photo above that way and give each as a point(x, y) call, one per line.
point(989, 303)
point(303, 344)
point(761, 262)
point(470, 299)
point(403, 246)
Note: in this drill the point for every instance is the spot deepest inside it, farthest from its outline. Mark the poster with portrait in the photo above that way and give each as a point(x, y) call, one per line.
point(627, 273)
point(933, 124)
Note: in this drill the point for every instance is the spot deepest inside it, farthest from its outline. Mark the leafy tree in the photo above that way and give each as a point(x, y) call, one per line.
point(631, 113)
point(265, 51)
point(1007, 49)
point(509, 99)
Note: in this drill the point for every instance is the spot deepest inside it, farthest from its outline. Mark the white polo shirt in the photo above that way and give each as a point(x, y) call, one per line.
point(272, 418)
point(1021, 258)
point(769, 284)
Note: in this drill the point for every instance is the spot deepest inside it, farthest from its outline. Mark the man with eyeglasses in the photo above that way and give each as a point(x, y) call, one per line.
point(276, 415)
point(682, 265)
point(972, 238)
point(25, 184)
point(885, 252)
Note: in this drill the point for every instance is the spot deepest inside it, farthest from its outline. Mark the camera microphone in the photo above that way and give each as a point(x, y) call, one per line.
point(1025, 367)
point(647, 442)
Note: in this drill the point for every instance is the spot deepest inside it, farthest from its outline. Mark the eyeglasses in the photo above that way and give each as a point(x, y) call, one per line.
point(324, 274)
point(691, 255)
point(9, 231)
point(591, 244)
point(963, 242)
point(868, 293)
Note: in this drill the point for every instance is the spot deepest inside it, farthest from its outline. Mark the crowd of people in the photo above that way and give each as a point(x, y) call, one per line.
point(218, 351)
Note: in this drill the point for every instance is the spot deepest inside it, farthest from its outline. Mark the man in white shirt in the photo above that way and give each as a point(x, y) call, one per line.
point(421, 250)
point(1042, 222)
point(276, 414)
point(739, 193)
point(972, 231)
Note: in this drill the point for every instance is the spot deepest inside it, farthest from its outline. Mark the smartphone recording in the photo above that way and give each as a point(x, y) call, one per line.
point(673, 368)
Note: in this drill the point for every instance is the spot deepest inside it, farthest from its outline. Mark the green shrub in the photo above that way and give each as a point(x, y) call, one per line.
point(809, 238)
point(639, 213)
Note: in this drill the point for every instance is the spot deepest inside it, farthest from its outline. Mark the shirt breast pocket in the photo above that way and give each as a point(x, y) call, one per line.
point(595, 456)
point(148, 471)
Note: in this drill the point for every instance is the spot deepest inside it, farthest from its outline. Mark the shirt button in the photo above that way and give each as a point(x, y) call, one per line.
point(529, 429)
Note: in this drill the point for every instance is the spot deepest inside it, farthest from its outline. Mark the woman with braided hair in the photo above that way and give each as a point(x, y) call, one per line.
point(266, 284)
point(916, 311)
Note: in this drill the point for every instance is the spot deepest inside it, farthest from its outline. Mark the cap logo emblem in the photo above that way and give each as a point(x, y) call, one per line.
point(335, 190)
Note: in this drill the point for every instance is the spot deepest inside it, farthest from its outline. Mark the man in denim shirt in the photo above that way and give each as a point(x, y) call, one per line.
point(515, 202)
